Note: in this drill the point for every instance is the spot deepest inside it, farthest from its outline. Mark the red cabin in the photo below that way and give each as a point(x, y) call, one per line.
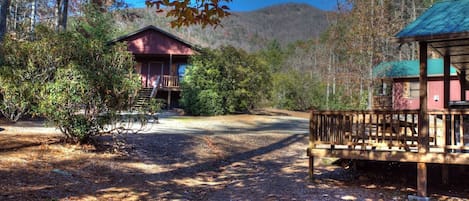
point(161, 61)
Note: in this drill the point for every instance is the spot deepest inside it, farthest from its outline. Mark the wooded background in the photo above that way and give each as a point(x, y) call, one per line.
point(319, 59)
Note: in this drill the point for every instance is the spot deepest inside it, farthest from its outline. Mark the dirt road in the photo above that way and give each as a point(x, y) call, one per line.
point(238, 157)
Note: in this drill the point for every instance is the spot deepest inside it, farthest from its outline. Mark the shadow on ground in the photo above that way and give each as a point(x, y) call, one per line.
point(264, 162)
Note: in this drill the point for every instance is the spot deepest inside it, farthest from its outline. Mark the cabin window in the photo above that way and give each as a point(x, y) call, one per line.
point(382, 87)
point(411, 89)
point(181, 71)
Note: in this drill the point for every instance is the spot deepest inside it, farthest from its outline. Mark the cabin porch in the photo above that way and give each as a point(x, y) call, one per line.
point(161, 59)
point(392, 135)
point(161, 76)
point(387, 135)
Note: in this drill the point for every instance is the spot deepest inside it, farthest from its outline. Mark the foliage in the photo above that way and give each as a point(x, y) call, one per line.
point(95, 23)
point(76, 80)
point(17, 95)
point(274, 55)
point(154, 105)
point(225, 81)
point(24, 66)
point(187, 12)
point(296, 91)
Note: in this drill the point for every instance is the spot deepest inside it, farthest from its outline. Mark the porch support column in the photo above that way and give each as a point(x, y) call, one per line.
point(445, 174)
point(170, 64)
point(423, 146)
point(311, 166)
point(170, 80)
point(169, 99)
point(422, 180)
point(462, 81)
point(447, 80)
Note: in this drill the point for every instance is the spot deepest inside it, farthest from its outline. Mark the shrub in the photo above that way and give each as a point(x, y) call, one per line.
point(224, 81)
point(73, 78)
point(296, 91)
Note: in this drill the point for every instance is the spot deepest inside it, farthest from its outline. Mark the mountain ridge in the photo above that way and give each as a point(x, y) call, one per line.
point(249, 30)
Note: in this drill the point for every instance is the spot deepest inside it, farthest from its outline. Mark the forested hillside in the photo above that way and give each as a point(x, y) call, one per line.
point(251, 31)
point(318, 59)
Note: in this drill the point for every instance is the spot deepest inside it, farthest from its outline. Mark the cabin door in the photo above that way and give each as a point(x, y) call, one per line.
point(155, 69)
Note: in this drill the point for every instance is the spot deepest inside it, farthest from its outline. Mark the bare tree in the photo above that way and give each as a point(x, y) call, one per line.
point(4, 4)
point(61, 14)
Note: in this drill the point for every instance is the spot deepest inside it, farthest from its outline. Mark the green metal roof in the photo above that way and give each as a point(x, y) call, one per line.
point(445, 17)
point(409, 68)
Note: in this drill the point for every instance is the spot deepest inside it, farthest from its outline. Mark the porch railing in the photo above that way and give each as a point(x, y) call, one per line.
point(376, 129)
point(169, 81)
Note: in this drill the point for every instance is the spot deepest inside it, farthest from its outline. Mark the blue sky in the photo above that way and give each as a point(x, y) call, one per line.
point(249, 5)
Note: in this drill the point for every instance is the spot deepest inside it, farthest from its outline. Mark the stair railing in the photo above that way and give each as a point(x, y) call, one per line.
point(156, 83)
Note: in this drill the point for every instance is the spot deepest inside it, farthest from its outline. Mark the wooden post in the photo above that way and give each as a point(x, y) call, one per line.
point(444, 174)
point(422, 179)
point(311, 167)
point(423, 145)
point(170, 64)
point(169, 91)
point(462, 81)
point(147, 80)
point(447, 80)
point(169, 99)
point(312, 129)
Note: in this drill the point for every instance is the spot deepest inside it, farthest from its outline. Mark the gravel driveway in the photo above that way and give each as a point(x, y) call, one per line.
point(236, 157)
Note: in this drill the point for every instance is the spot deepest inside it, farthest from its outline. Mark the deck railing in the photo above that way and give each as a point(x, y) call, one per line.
point(376, 129)
point(169, 81)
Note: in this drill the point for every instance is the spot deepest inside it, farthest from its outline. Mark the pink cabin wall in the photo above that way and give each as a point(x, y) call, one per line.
point(156, 53)
point(150, 67)
point(156, 43)
point(435, 90)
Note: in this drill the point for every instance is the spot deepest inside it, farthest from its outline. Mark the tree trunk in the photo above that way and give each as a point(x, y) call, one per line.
point(15, 17)
point(4, 4)
point(334, 78)
point(63, 24)
point(33, 15)
point(328, 86)
point(57, 15)
point(414, 16)
point(61, 14)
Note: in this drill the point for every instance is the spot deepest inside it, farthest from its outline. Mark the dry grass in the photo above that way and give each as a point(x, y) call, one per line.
point(245, 163)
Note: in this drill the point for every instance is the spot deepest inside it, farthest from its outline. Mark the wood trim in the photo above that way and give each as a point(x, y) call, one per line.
point(446, 80)
point(398, 156)
point(462, 62)
point(462, 82)
point(430, 78)
point(423, 124)
point(434, 38)
point(436, 46)
point(450, 40)
point(153, 28)
point(422, 179)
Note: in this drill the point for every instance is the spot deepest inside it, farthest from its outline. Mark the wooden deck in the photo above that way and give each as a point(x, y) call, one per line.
point(169, 83)
point(422, 137)
point(386, 135)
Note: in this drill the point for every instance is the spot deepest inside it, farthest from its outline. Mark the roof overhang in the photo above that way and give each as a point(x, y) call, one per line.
point(154, 28)
point(443, 27)
point(455, 45)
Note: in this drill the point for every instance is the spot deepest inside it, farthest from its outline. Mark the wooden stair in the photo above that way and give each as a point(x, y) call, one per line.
point(143, 96)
